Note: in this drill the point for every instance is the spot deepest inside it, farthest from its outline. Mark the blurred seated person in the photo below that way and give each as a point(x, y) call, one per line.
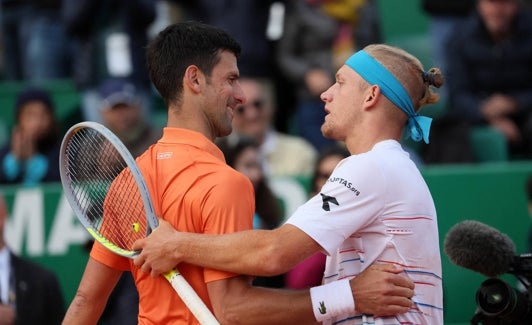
point(327, 160)
point(283, 154)
point(29, 293)
point(306, 55)
point(309, 272)
point(121, 112)
point(32, 154)
point(244, 156)
point(490, 71)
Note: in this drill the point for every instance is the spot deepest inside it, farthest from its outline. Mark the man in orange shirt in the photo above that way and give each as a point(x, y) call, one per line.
point(194, 68)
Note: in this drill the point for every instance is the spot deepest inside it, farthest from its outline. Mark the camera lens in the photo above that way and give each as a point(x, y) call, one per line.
point(497, 299)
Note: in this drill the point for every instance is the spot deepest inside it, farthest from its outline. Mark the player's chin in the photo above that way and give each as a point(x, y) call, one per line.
point(225, 130)
point(327, 130)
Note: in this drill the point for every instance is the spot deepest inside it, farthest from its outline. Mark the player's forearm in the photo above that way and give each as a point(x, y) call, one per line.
point(91, 297)
point(247, 252)
point(252, 252)
point(270, 306)
point(81, 311)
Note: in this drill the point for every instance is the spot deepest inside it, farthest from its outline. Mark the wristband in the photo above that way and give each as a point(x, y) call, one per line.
point(332, 299)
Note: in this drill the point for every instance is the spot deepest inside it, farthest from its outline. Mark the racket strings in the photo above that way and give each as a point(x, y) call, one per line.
point(105, 189)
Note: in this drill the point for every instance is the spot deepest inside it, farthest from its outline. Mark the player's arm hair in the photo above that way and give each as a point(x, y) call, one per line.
point(236, 302)
point(254, 252)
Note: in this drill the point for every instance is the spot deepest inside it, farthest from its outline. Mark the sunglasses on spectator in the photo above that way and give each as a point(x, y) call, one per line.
point(257, 104)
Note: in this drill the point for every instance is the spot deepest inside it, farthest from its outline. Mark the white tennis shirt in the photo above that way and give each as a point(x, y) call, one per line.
point(377, 208)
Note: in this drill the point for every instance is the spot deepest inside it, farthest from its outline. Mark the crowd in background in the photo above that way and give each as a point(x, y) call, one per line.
point(90, 41)
point(293, 48)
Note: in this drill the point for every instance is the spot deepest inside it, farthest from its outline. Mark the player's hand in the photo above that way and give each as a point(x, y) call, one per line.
point(318, 81)
point(159, 253)
point(7, 314)
point(497, 106)
point(508, 128)
point(382, 290)
point(21, 145)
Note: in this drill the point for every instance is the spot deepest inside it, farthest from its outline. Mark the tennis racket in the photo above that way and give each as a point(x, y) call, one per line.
point(108, 194)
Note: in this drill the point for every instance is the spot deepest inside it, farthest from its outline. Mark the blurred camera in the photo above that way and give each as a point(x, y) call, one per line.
point(498, 303)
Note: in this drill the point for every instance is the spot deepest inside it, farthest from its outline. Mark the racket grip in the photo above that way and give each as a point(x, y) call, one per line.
point(191, 299)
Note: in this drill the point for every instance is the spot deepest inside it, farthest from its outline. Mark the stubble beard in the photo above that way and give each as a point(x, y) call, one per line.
point(327, 130)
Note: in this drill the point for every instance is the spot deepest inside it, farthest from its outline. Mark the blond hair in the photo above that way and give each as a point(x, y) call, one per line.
point(409, 71)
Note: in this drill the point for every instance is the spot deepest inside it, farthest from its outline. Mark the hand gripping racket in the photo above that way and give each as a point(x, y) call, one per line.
point(108, 194)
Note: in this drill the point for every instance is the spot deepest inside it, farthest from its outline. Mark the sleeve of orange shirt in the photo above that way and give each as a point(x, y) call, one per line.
point(105, 256)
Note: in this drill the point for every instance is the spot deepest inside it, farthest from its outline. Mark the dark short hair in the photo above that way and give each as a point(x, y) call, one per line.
point(233, 149)
point(33, 94)
point(324, 153)
point(183, 44)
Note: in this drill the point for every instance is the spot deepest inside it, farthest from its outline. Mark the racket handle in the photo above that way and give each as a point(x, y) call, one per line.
point(191, 299)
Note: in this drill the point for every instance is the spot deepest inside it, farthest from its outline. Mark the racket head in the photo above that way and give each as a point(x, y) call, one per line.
point(105, 188)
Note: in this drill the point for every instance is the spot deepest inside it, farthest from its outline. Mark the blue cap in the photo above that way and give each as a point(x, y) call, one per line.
point(118, 91)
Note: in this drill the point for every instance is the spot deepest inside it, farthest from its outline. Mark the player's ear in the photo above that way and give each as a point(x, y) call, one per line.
point(193, 78)
point(371, 95)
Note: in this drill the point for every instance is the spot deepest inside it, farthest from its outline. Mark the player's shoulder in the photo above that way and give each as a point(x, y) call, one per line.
point(226, 174)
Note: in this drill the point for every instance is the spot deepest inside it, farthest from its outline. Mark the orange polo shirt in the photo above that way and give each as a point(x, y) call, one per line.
point(193, 188)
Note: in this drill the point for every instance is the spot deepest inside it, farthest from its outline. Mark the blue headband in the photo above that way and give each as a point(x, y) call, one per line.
point(418, 127)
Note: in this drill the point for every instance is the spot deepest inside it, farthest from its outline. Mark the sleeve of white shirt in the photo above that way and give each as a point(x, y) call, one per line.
point(352, 198)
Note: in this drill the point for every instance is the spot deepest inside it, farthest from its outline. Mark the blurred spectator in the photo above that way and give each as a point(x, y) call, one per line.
point(325, 164)
point(121, 111)
point(283, 154)
point(35, 46)
point(368, 28)
point(247, 21)
point(257, 26)
point(32, 154)
point(346, 13)
point(444, 16)
point(109, 41)
point(309, 273)
point(490, 71)
point(29, 294)
point(244, 156)
point(305, 56)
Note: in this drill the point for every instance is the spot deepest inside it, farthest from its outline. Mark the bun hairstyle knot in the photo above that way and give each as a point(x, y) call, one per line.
point(433, 77)
point(428, 77)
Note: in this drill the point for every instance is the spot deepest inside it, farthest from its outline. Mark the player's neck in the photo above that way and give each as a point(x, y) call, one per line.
point(192, 120)
point(360, 142)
